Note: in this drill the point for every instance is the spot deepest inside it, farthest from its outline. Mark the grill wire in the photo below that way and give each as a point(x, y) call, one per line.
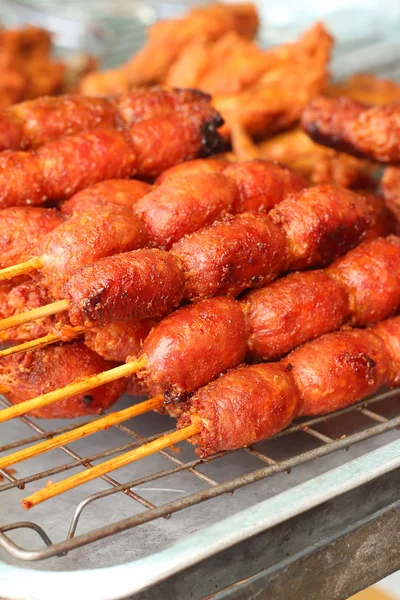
point(371, 409)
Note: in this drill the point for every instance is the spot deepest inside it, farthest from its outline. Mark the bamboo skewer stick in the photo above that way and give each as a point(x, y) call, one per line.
point(46, 340)
point(81, 432)
point(35, 313)
point(77, 387)
point(21, 268)
point(70, 483)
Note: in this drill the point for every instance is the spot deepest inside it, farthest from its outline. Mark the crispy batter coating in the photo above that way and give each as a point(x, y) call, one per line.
point(166, 41)
point(22, 231)
point(229, 256)
point(291, 311)
point(243, 407)
point(34, 373)
point(192, 346)
point(367, 88)
point(295, 74)
point(318, 164)
point(118, 340)
point(344, 124)
point(125, 287)
point(86, 238)
point(322, 223)
point(123, 192)
point(27, 69)
point(183, 204)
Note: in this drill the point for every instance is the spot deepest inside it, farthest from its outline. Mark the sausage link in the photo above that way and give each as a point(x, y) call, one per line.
point(192, 346)
point(132, 285)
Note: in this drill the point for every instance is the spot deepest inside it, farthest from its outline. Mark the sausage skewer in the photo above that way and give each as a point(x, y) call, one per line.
point(247, 250)
point(33, 123)
point(252, 403)
point(61, 168)
point(360, 288)
point(176, 207)
point(355, 128)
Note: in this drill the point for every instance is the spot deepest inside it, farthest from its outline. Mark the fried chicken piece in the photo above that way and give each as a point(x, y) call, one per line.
point(318, 164)
point(167, 39)
point(227, 66)
point(355, 128)
point(26, 67)
point(367, 88)
point(294, 74)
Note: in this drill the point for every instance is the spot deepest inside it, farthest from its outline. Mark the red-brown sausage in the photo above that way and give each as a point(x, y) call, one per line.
point(241, 408)
point(22, 230)
point(338, 369)
point(47, 369)
point(389, 332)
point(45, 119)
point(192, 346)
point(72, 163)
point(246, 250)
point(125, 287)
point(162, 142)
point(370, 274)
point(123, 192)
point(263, 184)
point(291, 311)
point(192, 167)
point(183, 205)
point(322, 223)
point(87, 237)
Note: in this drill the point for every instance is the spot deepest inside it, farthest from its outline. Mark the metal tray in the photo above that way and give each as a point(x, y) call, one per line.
point(171, 527)
point(361, 442)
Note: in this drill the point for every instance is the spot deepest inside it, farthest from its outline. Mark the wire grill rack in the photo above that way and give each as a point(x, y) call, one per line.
point(320, 436)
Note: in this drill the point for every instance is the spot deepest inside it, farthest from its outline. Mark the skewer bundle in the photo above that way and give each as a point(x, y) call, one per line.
point(160, 246)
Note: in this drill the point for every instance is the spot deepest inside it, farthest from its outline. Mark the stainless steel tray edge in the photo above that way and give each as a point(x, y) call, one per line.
point(113, 583)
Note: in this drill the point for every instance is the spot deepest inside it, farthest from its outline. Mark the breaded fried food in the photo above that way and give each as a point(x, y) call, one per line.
point(318, 164)
point(167, 39)
point(294, 74)
point(367, 88)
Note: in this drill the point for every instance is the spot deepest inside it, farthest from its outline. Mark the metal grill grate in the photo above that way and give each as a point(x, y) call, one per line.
point(320, 437)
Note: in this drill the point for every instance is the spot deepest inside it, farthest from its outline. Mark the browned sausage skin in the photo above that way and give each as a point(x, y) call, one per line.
point(123, 192)
point(23, 230)
point(321, 223)
point(192, 346)
point(249, 404)
point(133, 285)
point(87, 237)
point(291, 311)
point(239, 252)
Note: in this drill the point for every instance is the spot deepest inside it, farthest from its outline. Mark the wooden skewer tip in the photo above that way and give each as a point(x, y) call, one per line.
point(55, 489)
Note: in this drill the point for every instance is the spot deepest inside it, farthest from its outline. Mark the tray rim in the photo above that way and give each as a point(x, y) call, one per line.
point(121, 581)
